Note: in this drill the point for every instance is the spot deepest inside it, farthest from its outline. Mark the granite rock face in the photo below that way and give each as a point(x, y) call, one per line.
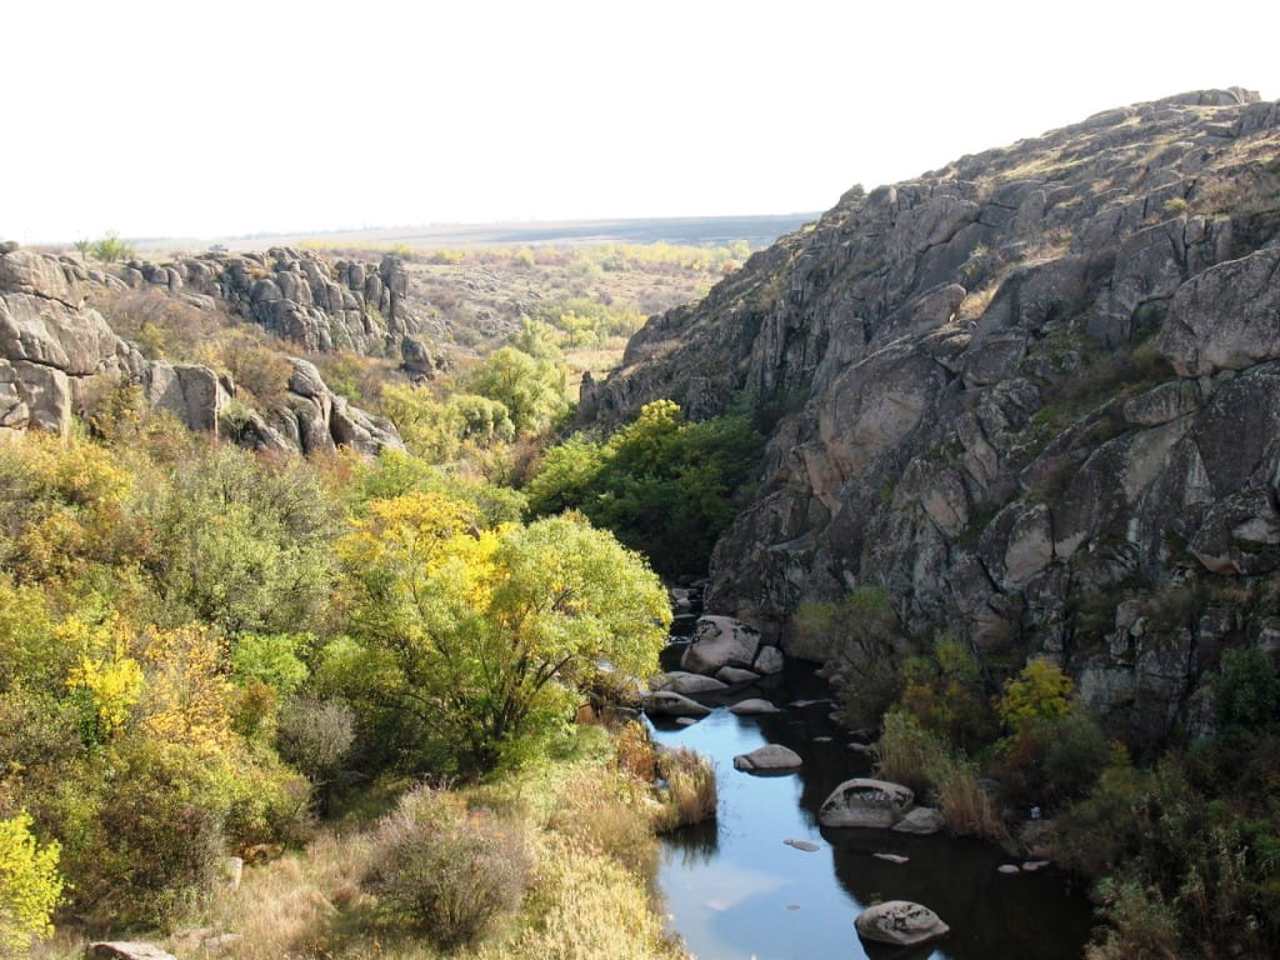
point(57, 351)
point(1015, 393)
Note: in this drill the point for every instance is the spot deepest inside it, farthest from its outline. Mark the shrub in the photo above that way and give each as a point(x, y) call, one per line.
point(30, 886)
point(259, 369)
point(1040, 692)
point(315, 736)
point(945, 692)
point(692, 796)
point(1052, 761)
point(1246, 690)
point(906, 753)
point(1143, 925)
point(450, 875)
point(271, 659)
point(968, 809)
point(635, 752)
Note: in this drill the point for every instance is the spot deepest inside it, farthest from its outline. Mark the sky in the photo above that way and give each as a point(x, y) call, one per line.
point(182, 119)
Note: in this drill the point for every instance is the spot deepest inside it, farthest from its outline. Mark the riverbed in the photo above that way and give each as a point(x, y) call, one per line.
point(735, 891)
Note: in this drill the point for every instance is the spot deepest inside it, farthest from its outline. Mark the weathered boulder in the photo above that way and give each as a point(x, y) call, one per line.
point(864, 802)
point(665, 703)
point(921, 820)
point(754, 707)
point(735, 676)
point(771, 758)
point(900, 922)
point(768, 661)
point(690, 683)
point(721, 642)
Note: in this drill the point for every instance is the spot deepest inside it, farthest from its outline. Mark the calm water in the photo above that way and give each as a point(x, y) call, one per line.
point(735, 890)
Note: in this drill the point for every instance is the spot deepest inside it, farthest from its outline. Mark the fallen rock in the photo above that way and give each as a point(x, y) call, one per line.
point(126, 950)
point(665, 703)
point(769, 758)
point(690, 683)
point(735, 676)
point(864, 802)
point(721, 642)
point(899, 922)
point(921, 820)
point(892, 858)
point(805, 846)
point(753, 707)
point(233, 871)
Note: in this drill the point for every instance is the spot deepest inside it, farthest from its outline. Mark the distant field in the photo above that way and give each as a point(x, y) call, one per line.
point(759, 231)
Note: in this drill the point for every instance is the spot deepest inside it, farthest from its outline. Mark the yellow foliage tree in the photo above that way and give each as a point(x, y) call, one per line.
point(1040, 692)
point(189, 696)
point(112, 677)
point(30, 886)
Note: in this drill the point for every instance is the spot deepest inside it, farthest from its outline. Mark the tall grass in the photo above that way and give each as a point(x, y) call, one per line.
point(692, 796)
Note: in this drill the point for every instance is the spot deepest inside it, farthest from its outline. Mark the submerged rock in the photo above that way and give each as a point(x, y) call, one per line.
point(685, 683)
point(864, 802)
point(900, 922)
point(892, 858)
point(736, 676)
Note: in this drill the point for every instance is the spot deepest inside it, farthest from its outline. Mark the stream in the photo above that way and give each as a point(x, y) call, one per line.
point(735, 891)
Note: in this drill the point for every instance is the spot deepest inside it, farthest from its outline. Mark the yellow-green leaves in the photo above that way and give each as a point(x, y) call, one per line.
point(30, 886)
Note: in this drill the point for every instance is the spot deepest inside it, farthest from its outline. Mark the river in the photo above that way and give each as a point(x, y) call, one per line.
point(735, 891)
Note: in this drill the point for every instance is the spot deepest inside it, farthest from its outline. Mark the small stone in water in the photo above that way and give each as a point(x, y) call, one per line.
point(891, 857)
point(1009, 868)
point(685, 721)
point(805, 845)
point(1031, 866)
point(793, 906)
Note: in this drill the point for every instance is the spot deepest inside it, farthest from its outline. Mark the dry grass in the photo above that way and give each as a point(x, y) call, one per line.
point(691, 788)
point(611, 814)
point(636, 754)
point(968, 809)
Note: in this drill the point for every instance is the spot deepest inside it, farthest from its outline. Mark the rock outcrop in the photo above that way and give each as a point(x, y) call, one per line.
point(57, 351)
point(1016, 393)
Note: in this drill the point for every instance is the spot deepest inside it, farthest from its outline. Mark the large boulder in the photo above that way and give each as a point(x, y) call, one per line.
point(721, 642)
point(690, 684)
point(900, 922)
point(864, 802)
point(754, 707)
point(771, 758)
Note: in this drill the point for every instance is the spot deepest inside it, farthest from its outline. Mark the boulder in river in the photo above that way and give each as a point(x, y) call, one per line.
point(769, 660)
point(771, 758)
point(734, 676)
point(753, 708)
point(689, 684)
point(721, 642)
point(665, 703)
point(892, 858)
point(899, 922)
point(922, 820)
point(864, 802)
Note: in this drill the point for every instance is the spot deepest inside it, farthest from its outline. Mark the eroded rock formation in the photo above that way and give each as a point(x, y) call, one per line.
point(1033, 395)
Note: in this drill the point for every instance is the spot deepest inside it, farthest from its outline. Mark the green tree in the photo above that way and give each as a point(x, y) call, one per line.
point(531, 389)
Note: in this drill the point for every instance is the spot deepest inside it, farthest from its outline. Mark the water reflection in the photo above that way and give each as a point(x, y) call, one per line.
point(735, 890)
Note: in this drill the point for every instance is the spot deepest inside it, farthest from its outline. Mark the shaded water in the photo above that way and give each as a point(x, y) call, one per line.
point(735, 890)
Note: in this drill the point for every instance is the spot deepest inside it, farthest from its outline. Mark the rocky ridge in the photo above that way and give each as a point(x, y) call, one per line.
point(57, 353)
point(1033, 395)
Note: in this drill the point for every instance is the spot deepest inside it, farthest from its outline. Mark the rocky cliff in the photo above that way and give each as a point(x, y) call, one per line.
point(56, 351)
point(1034, 395)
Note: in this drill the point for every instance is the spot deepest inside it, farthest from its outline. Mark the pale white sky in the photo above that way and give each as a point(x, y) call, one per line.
point(202, 119)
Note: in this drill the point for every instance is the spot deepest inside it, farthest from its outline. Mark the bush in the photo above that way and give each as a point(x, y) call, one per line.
point(1040, 692)
point(1246, 690)
point(259, 369)
point(1143, 925)
point(906, 753)
point(1050, 762)
point(450, 875)
point(692, 796)
point(315, 736)
point(30, 887)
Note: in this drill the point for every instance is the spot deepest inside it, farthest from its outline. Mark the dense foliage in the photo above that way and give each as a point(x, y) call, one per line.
point(664, 485)
point(200, 648)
